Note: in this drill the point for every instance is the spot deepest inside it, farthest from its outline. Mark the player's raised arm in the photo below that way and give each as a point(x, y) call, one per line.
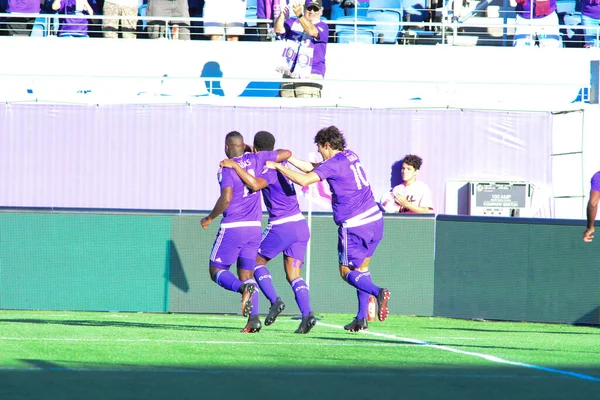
point(283, 155)
point(220, 206)
point(302, 165)
point(252, 182)
point(296, 177)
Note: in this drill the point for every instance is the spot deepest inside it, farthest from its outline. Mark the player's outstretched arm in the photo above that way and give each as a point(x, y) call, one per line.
point(296, 177)
point(220, 206)
point(304, 166)
point(283, 155)
point(253, 183)
point(592, 211)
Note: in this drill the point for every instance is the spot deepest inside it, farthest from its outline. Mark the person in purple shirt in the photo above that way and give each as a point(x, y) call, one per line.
point(20, 26)
point(76, 26)
point(590, 16)
point(355, 212)
point(267, 9)
point(303, 57)
point(536, 19)
point(592, 208)
point(239, 234)
point(287, 233)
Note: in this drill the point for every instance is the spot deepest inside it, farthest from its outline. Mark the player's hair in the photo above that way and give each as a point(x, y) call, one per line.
point(231, 136)
point(333, 136)
point(264, 141)
point(413, 160)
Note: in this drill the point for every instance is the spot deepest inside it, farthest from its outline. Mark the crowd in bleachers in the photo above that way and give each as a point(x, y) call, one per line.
point(367, 21)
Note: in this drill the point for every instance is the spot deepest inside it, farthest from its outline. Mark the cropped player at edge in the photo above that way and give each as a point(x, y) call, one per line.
point(359, 220)
point(240, 231)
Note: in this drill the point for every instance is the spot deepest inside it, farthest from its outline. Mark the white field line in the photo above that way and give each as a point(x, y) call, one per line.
point(484, 356)
point(473, 354)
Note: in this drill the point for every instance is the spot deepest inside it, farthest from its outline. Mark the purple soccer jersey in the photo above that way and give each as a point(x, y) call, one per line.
point(596, 182)
point(318, 45)
point(77, 25)
point(239, 235)
point(352, 197)
point(591, 8)
point(287, 231)
point(279, 195)
point(354, 208)
point(245, 203)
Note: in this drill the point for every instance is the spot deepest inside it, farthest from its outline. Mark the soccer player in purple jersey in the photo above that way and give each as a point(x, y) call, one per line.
point(592, 208)
point(286, 232)
point(354, 211)
point(240, 231)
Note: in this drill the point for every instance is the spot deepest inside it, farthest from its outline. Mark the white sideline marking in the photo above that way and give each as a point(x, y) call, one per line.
point(387, 336)
point(473, 354)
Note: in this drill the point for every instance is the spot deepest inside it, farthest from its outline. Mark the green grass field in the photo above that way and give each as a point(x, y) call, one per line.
point(83, 355)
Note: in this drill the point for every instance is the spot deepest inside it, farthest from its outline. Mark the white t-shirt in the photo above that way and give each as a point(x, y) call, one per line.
point(418, 194)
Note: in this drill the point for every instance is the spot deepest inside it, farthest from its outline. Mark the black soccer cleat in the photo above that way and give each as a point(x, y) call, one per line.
point(307, 323)
point(274, 311)
point(357, 325)
point(253, 325)
point(382, 300)
point(247, 290)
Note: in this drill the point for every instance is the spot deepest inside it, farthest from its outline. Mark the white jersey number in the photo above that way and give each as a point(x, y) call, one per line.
point(359, 175)
point(247, 190)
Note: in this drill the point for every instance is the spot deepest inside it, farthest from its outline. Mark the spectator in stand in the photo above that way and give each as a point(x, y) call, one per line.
point(224, 18)
point(196, 7)
point(347, 8)
point(590, 16)
point(411, 196)
point(76, 26)
point(94, 24)
point(19, 26)
point(127, 11)
point(178, 25)
point(536, 19)
point(304, 58)
point(268, 9)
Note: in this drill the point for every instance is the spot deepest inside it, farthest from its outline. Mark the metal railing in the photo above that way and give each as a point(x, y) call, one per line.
point(471, 27)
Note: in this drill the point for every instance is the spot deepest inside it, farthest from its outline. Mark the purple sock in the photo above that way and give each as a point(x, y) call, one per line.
point(263, 277)
point(362, 281)
point(228, 281)
point(254, 297)
point(363, 304)
point(302, 295)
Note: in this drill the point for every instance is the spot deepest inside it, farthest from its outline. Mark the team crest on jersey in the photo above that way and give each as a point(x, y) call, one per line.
point(220, 175)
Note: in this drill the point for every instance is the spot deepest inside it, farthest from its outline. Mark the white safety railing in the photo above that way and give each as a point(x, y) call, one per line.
point(481, 25)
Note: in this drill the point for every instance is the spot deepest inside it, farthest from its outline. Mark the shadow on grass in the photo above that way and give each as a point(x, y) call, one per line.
point(357, 382)
point(120, 324)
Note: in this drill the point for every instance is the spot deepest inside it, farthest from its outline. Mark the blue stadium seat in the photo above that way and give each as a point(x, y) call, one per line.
point(365, 26)
point(40, 27)
point(385, 5)
point(387, 25)
point(362, 36)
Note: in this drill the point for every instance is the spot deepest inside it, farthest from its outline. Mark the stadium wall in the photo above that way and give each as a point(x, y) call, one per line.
point(165, 157)
point(449, 266)
point(516, 269)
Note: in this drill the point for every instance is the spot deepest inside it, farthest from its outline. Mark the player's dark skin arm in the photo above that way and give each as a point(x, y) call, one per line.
point(253, 183)
point(220, 206)
point(592, 210)
point(283, 155)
